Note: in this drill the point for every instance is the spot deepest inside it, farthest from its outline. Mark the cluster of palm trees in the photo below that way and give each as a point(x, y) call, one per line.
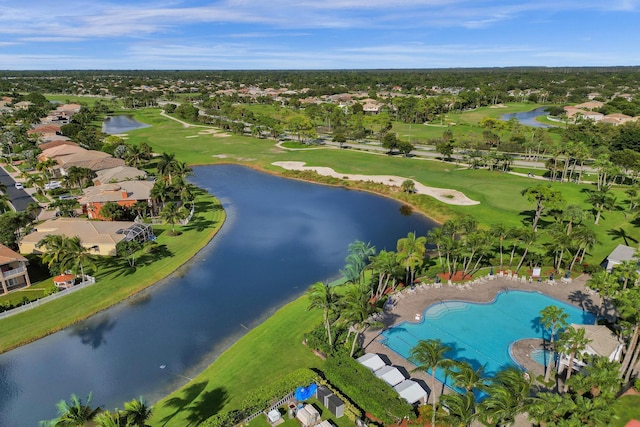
point(76, 413)
point(171, 191)
point(585, 400)
point(64, 253)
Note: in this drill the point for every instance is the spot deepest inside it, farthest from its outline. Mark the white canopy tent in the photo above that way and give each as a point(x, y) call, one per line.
point(411, 391)
point(390, 374)
point(371, 361)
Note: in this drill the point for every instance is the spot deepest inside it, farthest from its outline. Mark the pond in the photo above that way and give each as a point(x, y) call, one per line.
point(280, 236)
point(528, 118)
point(121, 123)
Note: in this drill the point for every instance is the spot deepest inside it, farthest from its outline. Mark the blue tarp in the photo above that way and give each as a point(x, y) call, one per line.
point(304, 393)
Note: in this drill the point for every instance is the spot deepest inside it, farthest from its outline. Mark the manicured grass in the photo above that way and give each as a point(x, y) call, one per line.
point(626, 408)
point(499, 194)
point(75, 99)
point(115, 281)
point(263, 355)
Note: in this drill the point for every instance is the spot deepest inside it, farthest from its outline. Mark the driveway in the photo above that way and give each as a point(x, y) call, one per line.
point(20, 199)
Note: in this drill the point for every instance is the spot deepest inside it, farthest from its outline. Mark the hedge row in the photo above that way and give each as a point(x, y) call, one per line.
point(366, 390)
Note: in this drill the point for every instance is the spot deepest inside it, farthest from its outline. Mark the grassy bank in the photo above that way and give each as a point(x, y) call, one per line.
point(115, 281)
point(264, 354)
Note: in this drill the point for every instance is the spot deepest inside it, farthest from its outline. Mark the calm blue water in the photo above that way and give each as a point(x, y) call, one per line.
point(280, 237)
point(121, 123)
point(481, 334)
point(528, 118)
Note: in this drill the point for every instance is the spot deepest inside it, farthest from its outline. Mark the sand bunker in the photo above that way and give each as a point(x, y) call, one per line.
point(452, 197)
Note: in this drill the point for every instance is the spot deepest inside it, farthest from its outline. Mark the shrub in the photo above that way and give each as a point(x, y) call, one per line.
point(636, 385)
point(366, 390)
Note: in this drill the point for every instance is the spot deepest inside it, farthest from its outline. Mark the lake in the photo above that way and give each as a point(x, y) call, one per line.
point(280, 237)
point(121, 123)
point(528, 118)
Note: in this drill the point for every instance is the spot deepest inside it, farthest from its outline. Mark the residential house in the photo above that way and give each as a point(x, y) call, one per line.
point(99, 237)
point(591, 105)
point(119, 174)
point(617, 119)
point(125, 193)
point(47, 132)
point(13, 270)
point(56, 143)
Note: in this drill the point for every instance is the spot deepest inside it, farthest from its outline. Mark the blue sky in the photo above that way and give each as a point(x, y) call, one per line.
point(316, 34)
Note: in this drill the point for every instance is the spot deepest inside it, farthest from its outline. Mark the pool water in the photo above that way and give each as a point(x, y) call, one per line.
point(540, 356)
point(481, 334)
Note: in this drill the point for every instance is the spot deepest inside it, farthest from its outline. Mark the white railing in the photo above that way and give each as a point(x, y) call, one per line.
point(88, 281)
point(9, 273)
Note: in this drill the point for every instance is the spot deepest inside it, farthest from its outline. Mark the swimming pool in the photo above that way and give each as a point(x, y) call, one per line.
point(481, 334)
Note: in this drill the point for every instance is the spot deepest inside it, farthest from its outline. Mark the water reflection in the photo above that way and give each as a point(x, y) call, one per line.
point(92, 332)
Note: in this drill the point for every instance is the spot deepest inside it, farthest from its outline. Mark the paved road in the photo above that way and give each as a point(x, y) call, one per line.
point(20, 199)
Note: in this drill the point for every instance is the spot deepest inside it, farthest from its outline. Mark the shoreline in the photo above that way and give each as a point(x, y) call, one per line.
point(142, 286)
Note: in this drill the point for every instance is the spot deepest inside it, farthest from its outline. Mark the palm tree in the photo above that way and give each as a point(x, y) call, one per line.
point(554, 318)
point(544, 197)
point(110, 419)
point(430, 354)
point(160, 192)
point(411, 252)
point(627, 271)
point(550, 408)
point(57, 252)
point(500, 232)
point(322, 296)
point(137, 412)
point(601, 199)
point(461, 409)
point(508, 396)
point(171, 214)
point(572, 342)
point(528, 237)
point(80, 256)
point(73, 413)
point(166, 166)
point(606, 285)
point(356, 312)
point(434, 237)
point(386, 265)
point(467, 378)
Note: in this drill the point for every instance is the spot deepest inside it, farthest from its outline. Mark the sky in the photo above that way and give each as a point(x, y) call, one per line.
point(316, 34)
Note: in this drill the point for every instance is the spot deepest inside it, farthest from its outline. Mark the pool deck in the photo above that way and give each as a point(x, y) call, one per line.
point(410, 303)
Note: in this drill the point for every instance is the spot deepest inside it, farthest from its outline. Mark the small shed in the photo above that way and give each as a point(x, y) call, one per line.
point(411, 391)
point(322, 393)
point(390, 374)
point(64, 281)
point(308, 415)
point(371, 361)
point(335, 405)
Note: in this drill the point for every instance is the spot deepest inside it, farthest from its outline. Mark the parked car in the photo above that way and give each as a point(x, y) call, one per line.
point(19, 186)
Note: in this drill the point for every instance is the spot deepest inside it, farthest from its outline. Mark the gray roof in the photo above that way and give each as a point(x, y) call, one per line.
point(410, 391)
point(622, 253)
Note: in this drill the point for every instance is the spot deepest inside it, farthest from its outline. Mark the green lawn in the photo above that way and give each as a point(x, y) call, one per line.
point(498, 193)
point(75, 99)
point(115, 281)
point(626, 408)
point(264, 354)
